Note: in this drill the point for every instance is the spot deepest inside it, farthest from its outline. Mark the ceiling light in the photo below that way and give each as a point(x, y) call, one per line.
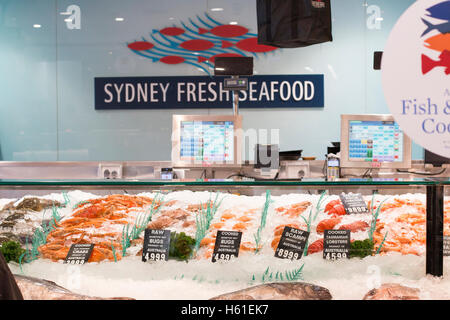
point(119, 19)
point(233, 22)
point(216, 9)
point(68, 20)
point(36, 26)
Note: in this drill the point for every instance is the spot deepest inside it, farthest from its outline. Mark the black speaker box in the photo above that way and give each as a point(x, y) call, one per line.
point(293, 23)
point(377, 56)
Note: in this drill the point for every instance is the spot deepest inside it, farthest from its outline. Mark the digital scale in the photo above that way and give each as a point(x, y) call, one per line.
point(235, 84)
point(234, 67)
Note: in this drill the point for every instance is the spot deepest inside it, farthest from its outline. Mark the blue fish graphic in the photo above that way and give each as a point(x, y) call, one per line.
point(440, 11)
point(442, 28)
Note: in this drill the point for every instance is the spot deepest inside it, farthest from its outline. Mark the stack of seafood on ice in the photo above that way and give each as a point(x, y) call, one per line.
point(115, 223)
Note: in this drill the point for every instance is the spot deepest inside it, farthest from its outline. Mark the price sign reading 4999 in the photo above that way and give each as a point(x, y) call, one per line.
point(292, 244)
point(156, 245)
point(227, 245)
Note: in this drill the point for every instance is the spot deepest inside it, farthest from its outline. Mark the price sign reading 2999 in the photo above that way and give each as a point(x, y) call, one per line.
point(292, 244)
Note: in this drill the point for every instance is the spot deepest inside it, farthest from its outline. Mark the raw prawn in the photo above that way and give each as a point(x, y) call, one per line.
point(240, 226)
point(244, 218)
point(247, 246)
point(294, 210)
point(227, 216)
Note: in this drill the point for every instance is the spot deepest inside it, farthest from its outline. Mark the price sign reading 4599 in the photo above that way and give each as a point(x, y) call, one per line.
point(336, 244)
point(292, 244)
point(227, 245)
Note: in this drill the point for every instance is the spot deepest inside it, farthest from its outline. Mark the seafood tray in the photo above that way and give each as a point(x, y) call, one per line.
point(107, 221)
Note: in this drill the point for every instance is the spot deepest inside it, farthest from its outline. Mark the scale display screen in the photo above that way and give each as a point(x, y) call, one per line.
point(375, 141)
point(207, 141)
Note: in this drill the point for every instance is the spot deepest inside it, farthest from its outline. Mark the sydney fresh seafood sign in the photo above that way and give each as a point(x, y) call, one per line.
point(268, 91)
point(197, 43)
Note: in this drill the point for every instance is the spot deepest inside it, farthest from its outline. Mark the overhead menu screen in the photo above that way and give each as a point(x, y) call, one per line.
point(207, 141)
point(375, 141)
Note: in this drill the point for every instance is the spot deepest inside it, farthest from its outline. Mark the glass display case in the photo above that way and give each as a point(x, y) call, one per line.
point(354, 233)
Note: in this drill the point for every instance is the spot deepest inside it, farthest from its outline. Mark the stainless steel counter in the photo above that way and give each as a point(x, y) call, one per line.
point(152, 170)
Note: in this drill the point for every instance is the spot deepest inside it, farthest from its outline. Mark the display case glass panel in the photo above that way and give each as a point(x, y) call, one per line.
point(110, 213)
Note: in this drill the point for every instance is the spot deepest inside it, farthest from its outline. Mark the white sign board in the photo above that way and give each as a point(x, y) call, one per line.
point(416, 74)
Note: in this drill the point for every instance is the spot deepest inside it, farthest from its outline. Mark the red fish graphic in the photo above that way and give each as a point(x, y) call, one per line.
point(252, 45)
point(226, 31)
point(197, 45)
point(429, 64)
point(172, 31)
point(191, 45)
point(141, 45)
point(172, 60)
point(227, 44)
point(211, 59)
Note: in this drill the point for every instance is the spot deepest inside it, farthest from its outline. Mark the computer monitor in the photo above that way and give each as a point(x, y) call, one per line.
point(206, 141)
point(373, 141)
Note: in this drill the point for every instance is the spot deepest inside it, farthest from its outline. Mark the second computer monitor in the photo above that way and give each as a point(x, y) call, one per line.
point(373, 141)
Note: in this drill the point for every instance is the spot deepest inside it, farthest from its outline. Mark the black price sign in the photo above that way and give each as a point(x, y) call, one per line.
point(79, 253)
point(336, 244)
point(227, 245)
point(446, 246)
point(353, 203)
point(156, 245)
point(292, 244)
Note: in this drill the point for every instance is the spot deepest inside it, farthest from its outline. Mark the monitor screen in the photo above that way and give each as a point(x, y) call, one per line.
point(375, 141)
point(208, 141)
point(233, 66)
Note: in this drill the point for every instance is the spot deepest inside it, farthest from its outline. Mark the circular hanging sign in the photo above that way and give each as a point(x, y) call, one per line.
point(416, 74)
